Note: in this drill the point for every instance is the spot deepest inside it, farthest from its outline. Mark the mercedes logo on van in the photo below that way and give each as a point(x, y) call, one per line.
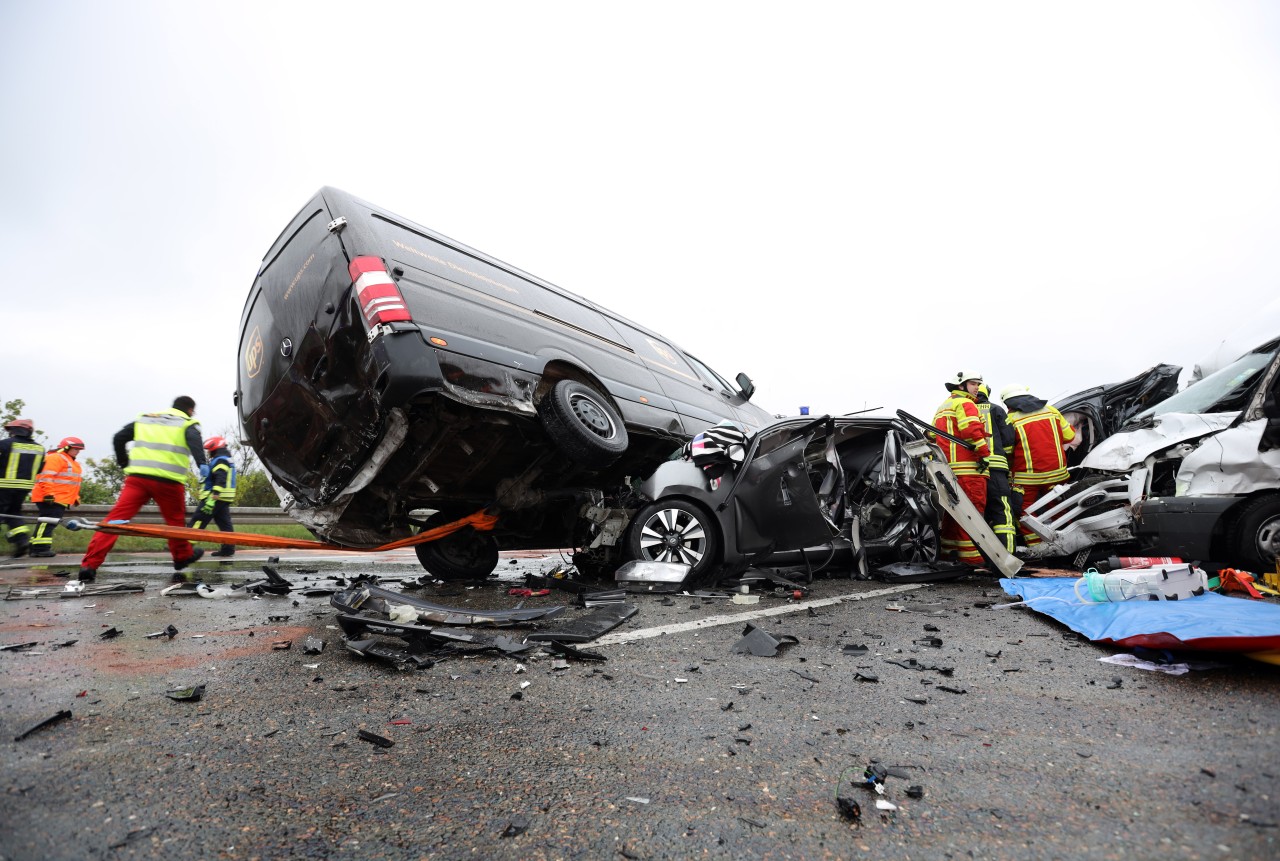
point(286, 347)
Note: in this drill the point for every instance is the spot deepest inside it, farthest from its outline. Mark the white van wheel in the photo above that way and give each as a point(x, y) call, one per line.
point(583, 423)
point(1255, 536)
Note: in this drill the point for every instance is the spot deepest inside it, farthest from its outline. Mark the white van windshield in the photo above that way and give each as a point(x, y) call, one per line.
point(1225, 390)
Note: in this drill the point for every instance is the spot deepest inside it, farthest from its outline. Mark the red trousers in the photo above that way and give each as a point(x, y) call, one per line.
point(138, 490)
point(954, 541)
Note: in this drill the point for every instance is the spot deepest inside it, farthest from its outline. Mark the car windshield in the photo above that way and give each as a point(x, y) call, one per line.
point(1223, 391)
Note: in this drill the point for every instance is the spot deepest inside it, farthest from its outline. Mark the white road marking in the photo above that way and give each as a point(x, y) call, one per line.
point(739, 618)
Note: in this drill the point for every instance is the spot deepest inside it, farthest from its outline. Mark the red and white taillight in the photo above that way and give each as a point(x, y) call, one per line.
point(376, 293)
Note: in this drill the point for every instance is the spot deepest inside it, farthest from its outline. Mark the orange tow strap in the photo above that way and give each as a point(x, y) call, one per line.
point(479, 521)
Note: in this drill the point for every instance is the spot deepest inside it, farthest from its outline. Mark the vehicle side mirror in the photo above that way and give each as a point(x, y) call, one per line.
point(746, 388)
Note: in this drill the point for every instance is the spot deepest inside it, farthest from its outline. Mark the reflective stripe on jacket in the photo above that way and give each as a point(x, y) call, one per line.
point(60, 479)
point(160, 445)
point(1038, 455)
point(958, 416)
point(21, 464)
point(221, 480)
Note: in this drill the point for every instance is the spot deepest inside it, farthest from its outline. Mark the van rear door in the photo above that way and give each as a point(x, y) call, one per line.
point(284, 330)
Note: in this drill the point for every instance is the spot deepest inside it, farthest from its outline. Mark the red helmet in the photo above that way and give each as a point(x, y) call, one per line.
point(71, 442)
point(21, 424)
point(214, 443)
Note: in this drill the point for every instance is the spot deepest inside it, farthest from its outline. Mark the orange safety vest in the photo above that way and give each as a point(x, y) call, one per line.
point(959, 416)
point(60, 479)
point(1038, 455)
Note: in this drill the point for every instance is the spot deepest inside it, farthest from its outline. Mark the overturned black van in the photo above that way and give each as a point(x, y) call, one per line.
point(391, 379)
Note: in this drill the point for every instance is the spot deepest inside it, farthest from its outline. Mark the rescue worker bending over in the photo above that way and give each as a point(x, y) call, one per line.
point(57, 489)
point(20, 461)
point(999, 512)
point(1039, 460)
point(217, 492)
point(958, 415)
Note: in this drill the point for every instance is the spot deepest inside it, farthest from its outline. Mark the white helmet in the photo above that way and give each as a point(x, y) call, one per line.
point(961, 377)
point(1016, 390)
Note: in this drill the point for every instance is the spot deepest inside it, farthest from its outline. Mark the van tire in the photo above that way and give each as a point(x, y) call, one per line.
point(583, 424)
point(1255, 534)
point(674, 530)
point(463, 555)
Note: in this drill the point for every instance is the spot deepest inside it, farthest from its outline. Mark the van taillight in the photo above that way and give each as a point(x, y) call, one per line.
point(376, 293)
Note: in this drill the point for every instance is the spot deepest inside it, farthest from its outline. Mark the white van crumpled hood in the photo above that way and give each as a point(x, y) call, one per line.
point(1230, 463)
point(1123, 451)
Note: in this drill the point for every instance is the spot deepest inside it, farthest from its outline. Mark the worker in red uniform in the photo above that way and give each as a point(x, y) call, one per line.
point(1039, 459)
point(155, 467)
point(57, 489)
point(20, 461)
point(958, 415)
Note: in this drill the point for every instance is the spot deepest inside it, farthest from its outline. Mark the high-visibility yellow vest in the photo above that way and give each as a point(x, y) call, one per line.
point(21, 466)
point(160, 445)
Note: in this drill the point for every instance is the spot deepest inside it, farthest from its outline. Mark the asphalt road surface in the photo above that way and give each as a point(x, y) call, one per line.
point(1001, 734)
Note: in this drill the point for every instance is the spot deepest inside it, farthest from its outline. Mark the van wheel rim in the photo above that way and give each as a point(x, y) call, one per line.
point(592, 416)
point(1268, 539)
point(673, 535)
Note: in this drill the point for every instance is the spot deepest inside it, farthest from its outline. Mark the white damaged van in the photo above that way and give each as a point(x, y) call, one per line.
point(1196, 475)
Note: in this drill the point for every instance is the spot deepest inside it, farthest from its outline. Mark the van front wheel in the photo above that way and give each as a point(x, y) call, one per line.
point(583, 424)
point(1255, 536)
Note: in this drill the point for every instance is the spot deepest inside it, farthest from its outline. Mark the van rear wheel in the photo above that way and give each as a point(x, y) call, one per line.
point(463, 555)
point(583, 424)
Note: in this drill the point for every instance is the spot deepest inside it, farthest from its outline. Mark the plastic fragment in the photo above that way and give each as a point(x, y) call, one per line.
point(374, 738)
point(882, 804)
point(313, 645)
point(192, 694)
point(915, 792)
point(169, 632)
point(60, 716)
point(516, 825)
point(109, 634)
point(849, 808)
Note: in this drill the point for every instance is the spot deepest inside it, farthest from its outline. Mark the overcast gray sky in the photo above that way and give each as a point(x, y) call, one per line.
point(849, 201)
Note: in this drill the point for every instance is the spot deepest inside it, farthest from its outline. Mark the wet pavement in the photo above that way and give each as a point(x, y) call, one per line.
point(1022, 744)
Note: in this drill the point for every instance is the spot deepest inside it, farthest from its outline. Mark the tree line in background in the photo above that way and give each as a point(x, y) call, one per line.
point(103, 477)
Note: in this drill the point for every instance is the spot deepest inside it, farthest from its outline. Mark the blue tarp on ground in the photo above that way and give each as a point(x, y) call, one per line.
point(1210, 622)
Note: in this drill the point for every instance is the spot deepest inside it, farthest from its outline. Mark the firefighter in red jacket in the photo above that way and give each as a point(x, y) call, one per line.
point(958, 415)
point(57, 489)
point(1039, 459)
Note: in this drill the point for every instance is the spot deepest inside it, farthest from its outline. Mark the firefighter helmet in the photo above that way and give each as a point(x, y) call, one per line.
point(959, 378)
point(1014, 391)
point(214, 443)
point(23, 427)
point(71, 442)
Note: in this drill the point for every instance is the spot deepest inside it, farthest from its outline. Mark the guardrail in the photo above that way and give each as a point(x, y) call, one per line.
point(151, 514)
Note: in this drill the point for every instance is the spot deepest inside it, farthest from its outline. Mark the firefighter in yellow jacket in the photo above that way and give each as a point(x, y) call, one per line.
point(20, 461)
point(958, 415)
point(1039, 459)
point(57, 489)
